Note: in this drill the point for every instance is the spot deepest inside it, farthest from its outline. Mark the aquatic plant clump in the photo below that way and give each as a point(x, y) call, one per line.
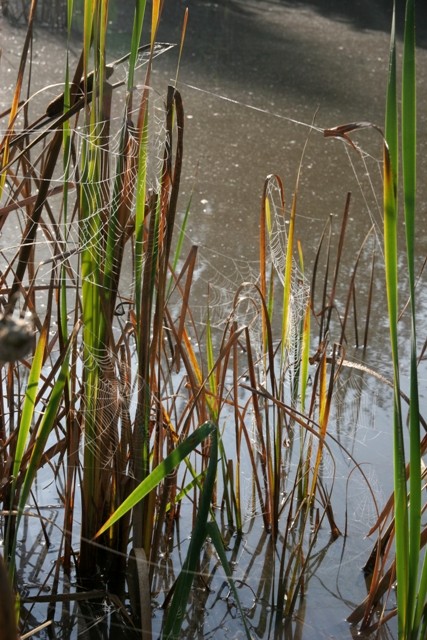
point(162, 441)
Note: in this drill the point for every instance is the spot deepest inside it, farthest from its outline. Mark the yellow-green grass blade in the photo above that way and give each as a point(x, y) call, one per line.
point(159, 473)
point(323, 419)
point(265, 263)
point(182, 590)
point(27, 415)
point(212, 379)
point(181, 46)
point(29, 404)
point(287, 276)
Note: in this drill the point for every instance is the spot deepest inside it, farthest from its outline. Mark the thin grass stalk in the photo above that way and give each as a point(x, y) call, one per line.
point(264, 233)
point(212, 379)
point(66, 162)
point(331, 304)
point(181, 45)
point(318, 390)
point(188, 267)
point(238, 436)
point(323, 419)
point(179, 245)
point(351, 293)
point(287, 282)
point(263, 443)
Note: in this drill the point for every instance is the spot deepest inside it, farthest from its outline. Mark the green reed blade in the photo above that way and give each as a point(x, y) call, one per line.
point(29, 404)
point(182, 590)
point(391, 269)
point(70, 6)
point(159, 473)
point(197, 481)
point(138, 21)
point(409, 137)
point(87, 33)
point(409, 149)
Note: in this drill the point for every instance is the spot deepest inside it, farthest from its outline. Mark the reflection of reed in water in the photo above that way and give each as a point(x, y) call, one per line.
point(7, 606)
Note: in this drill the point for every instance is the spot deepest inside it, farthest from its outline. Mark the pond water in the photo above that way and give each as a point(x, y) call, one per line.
point(258, 80)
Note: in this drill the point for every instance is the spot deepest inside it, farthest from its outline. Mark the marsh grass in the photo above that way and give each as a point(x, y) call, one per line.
point(139, 413)
point(401, 520)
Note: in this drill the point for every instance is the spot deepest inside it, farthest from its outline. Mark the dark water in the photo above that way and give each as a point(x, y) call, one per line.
point(258, 80)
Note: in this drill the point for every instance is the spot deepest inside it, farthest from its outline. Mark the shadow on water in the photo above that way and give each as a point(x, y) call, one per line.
point(361, 14)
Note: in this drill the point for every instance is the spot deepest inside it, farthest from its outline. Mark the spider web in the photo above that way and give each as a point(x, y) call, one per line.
point(61, 239)
point(61, 234)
